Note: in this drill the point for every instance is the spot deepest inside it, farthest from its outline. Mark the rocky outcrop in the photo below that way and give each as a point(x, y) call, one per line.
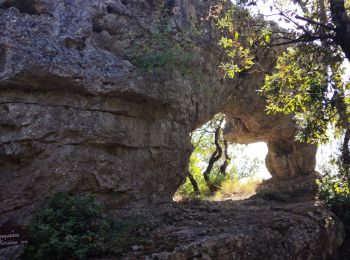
point(247, 123)
point(101, 96)
point(250, 229)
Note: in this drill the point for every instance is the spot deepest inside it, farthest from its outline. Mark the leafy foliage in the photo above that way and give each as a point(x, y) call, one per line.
point(75, 228)
point(335, 193)
point(196, 169)
point(167, 49)
point(243, 165)
point(157, 54)
point(69, 228)
point(308, 81)
point(305, 84)
point(241, 35)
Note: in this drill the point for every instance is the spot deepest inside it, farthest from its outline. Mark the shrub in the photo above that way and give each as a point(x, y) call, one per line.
point(175, 57)
point(69, 228)
point(335, 194)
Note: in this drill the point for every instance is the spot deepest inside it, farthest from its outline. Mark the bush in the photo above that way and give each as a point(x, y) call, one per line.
point(335, 194)
point(69, 228)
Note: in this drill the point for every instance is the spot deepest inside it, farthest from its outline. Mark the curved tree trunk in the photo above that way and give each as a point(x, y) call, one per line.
point(227, 159)
point(194, 183)
point(214, 158)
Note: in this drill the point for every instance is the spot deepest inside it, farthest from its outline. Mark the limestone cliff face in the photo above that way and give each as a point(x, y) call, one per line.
point(101, 96)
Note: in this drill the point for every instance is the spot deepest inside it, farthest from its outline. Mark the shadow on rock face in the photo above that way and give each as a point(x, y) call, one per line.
point(24, 6)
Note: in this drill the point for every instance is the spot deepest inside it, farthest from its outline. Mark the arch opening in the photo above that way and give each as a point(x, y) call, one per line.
point(219, 169)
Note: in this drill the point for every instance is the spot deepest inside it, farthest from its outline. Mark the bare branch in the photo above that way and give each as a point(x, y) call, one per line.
point(326, 26)
point(303, 39)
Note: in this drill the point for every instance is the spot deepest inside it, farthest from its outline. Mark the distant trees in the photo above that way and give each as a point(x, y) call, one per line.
point(214, 160)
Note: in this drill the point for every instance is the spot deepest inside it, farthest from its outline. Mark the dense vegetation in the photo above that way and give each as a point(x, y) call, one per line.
point(70, 227)
point(336, 195)
point(74, 227)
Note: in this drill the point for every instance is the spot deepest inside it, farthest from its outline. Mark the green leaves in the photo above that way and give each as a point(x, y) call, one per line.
point(265, 36)
point(226, 42)
point(239, 164)
point(241, 45)
point(335, 193)
point(241, 57)
point(70, 227)
point(304, 80)
point(236, 36)
point(167, 50)
point(230, 69)
point(301, 85)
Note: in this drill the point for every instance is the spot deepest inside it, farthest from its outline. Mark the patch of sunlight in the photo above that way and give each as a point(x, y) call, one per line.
point(237, 188)
point(258, 150)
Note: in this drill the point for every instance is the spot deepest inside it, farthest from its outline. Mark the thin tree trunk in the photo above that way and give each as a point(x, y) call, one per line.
point(194, 183)
point(345, 154)
point(344, 117)
point(214, 158)
point(227, 159)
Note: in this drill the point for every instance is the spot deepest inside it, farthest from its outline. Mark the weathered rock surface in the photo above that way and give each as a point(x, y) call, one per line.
point(249, 229)
point(101, 96)
point(247, 123)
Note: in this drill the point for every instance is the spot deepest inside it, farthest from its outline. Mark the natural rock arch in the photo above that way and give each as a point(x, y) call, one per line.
point(247, 123)
point(78, 115)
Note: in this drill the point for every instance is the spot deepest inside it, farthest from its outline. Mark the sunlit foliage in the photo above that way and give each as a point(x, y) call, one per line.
point(306, 84)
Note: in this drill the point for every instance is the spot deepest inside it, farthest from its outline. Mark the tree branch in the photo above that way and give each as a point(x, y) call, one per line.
point(326, 26)
point(303, 39)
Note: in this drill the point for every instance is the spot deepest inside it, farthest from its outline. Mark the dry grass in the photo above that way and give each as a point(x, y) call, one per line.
point(234, 187)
